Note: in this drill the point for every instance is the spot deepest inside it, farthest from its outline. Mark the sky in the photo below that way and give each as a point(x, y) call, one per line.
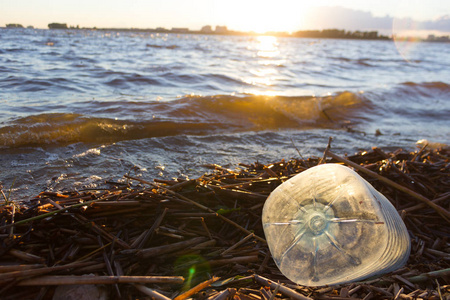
point(242, 15)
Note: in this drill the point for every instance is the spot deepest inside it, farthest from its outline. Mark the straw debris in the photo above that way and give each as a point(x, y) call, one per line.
point(203, 238)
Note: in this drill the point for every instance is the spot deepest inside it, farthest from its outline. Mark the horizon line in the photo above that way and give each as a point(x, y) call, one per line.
point(223, 30)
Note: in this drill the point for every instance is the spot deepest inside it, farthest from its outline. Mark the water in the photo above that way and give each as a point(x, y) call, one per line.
point(79, 108)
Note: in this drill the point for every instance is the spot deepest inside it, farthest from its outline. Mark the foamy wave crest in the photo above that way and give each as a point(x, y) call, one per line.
point(190, 115)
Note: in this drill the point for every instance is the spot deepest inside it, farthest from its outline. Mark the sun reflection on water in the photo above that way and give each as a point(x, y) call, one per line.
point(265, 72)
point(267, 46)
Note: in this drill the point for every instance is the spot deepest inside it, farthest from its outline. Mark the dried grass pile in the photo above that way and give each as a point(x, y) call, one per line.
point(203, 238)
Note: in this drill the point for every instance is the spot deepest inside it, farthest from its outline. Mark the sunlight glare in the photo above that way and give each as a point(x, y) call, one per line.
point(265, 73)
point(264, 16)
point(267, 46)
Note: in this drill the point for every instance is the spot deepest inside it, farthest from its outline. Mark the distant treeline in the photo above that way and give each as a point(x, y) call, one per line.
point(12, 25)
point(325, 33)
point(340, 34)
point(57, 26)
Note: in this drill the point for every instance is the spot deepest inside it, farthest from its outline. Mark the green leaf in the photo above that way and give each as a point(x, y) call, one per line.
point(224, 211)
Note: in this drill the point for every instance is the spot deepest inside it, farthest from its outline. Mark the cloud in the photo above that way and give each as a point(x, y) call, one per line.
point(349, 19)
point(345, 18)
point(441, 24)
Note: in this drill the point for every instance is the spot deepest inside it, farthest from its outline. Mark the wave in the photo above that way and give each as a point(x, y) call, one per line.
point(24, 84)
point(195, 115)
point(15, 50)
point(162, 46)
point(437, 85)
point(124, 81)
point(131, 81)
point(425, 102)
point(4, 69)
point(435, 94)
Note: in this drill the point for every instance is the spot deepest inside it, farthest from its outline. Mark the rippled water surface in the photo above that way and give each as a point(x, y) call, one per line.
point(81, 107)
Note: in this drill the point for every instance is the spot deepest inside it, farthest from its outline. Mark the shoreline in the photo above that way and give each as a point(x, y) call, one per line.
point(312, 34)
point(325, 33)
point(153, 232)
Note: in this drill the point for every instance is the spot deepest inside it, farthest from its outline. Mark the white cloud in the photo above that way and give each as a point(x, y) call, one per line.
point(349, 19)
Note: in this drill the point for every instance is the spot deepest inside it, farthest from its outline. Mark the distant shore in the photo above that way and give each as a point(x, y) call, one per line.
point(223, 30)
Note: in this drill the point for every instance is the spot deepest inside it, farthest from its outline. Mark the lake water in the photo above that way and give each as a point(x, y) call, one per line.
point(78, 108)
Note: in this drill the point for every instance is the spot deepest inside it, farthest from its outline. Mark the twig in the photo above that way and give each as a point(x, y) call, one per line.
point(198, 205)
point(422, 205)
point(150, 292)
point(6, 277)
point(204, 245)
point(238, 243)
point(108, 264)
point(143, 238)
point(149, 252)
point(234, 260)
point(196, 289)
point(4, 196)
point(180, 185)
point(72, 279)
point(26, 256)
point(13, 213)
point(419, 152)
point(264, 262)
point(49, 214)
point(441, 211)
point(284, 290)
point(55, 204)
point(101, 231)
point(304, 162)
point(323, 159)
point(225, 294)
point(12, 268)
point(430, 275)
point(398, 294)
point(275, 292)
point(206, 228)
point(93, 252)
point(381, 153)
point(438, 288)
point(265, 294)
point(405, 281)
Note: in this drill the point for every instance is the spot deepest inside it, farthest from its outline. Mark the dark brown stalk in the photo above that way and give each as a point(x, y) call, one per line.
point(87, 279)
point(282, 289)
point(155, 251)
point(7, 277)
point(441, 211)
point(225, 294)
point(200, 206)
point(152, 293)
point(245, 239)
point(146, 235)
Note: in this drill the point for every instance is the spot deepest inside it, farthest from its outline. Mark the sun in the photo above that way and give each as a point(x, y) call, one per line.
point(263, 15)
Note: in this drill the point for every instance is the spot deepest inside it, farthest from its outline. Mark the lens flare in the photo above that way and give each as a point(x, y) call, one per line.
point(407, 37)
point(192, 267)
point(409, 34)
